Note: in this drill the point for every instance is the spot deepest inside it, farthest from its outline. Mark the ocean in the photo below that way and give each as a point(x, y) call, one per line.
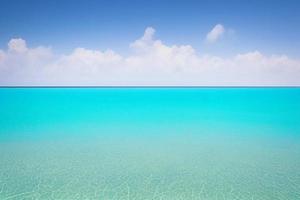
point(150, 143)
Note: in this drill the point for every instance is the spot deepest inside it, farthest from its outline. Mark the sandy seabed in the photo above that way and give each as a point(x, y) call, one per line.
point(181, 168)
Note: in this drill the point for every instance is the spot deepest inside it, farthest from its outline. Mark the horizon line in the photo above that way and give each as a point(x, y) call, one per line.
point(147, 86)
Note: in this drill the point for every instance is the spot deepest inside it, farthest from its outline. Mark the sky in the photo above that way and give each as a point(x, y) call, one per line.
point(201, 43)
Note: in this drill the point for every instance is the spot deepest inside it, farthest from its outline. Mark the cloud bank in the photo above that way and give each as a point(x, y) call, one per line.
point(151, 62)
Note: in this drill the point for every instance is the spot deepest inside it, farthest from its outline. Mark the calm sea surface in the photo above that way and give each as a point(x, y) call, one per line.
point(150, 143)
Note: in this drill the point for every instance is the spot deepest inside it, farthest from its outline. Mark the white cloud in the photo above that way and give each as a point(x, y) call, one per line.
point(215, 34)
point(145, 41)
point(17, 45)
point(153, 53)
point(90, 58)
point(2, 55)
point(151, 63)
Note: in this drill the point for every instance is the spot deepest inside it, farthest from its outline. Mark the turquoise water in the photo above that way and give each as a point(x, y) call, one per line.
point(150, 143)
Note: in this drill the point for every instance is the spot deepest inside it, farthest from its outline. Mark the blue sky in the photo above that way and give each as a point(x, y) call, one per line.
point(269, 26)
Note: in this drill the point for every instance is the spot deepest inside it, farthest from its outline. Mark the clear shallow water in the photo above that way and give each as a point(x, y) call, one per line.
point(150, 143)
